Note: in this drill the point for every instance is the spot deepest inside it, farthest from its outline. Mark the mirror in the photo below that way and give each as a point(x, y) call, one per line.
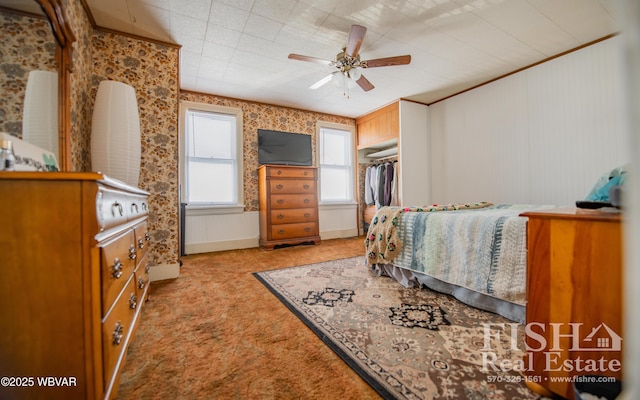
point(38, 38)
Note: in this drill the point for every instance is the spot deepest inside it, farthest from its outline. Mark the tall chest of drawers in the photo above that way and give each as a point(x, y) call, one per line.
point(288, 206)
point(74, 278)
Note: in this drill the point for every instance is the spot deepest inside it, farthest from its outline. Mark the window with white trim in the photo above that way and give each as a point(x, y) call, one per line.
point(212, 166)
point(336, 161)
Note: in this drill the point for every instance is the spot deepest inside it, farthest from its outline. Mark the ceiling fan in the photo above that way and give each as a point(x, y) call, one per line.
point(348, 61)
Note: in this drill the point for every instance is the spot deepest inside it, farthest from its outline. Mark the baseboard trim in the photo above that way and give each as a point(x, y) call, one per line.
point(338, 234)
point(197, 248)
point(220, 246)
point(164, 271)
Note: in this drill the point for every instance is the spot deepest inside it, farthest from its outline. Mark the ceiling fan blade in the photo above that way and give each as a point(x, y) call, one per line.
point(355, 40)
point(310, 59)
point(388, 61)
point(364, 83)
point(322, 81)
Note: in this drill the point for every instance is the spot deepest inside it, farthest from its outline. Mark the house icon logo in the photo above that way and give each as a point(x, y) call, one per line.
point(601, 338)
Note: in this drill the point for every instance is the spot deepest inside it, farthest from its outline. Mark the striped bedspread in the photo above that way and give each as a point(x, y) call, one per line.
point(483, 250)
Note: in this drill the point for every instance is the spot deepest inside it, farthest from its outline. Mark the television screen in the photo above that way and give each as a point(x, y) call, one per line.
point(284, 148)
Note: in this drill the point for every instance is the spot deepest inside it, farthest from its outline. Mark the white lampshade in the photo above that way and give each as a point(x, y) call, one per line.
point(40, 111)
point(115, 132)
point(338, 79)
point(355, 73)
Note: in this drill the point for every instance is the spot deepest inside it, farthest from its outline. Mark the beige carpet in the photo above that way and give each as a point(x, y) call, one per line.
point(218, 333)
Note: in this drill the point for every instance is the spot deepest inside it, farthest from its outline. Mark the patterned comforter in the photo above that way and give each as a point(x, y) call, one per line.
point(482, 250)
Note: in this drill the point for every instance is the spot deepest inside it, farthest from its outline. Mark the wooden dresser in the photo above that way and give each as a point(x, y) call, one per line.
point(574, 297)
point(74, 278)
point(288, 206)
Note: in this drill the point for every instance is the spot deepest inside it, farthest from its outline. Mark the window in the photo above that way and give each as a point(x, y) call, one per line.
point(336, 154)
point(212, 166)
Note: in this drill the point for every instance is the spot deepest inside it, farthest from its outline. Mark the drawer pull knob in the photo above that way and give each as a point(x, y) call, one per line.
point(307, 215)
point(132, 252)
point(307, 229)
point(140, 243)
point(279, 172)
point(116, 207)
point(134, 208)
point(118, 333)
point(146, 269)
point(306, 186)
point(141, 283)
point(133, 301)
point(280, 201)
point(281, 231)
point(305, 173)
point(147, 237)
point(279, 186)
point(280, 216)
point(116, 269)
point(306, 201)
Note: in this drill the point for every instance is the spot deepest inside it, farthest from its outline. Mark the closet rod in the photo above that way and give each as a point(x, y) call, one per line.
point(377, 160)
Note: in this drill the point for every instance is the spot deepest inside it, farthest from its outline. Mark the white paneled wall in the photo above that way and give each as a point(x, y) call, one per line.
point(338, 221)
point(541, 136)
point(206, 233)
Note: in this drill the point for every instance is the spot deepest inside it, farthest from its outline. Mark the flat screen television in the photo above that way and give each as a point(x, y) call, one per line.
point(284, 148)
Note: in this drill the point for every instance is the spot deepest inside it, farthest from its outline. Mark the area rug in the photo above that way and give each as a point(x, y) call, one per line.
point(406, 343)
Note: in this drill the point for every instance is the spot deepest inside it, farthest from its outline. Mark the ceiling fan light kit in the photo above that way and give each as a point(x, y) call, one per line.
point(349, 65)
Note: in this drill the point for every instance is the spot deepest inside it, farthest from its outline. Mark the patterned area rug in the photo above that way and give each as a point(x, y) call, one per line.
point(406, 343)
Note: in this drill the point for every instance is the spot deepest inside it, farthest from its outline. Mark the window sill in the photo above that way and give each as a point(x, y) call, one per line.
point(337, 206)
point(210, 209)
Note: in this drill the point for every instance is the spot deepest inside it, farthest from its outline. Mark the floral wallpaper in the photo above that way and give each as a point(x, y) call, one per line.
point(265, 116)
point(152, 69)
point(26, 44)
point(81, 100)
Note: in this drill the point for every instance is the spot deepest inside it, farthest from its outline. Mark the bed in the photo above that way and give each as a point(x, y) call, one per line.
point(475, 251)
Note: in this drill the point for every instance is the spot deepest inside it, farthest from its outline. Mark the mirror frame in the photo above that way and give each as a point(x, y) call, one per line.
point(54, 11)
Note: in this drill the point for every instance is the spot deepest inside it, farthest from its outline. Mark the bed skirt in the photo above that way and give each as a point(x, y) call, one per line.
point(407, 278)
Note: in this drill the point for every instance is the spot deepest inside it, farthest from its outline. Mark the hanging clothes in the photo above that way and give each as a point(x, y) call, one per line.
point(379, 189)
point(368, 190)
point(394, 188)
point(388, 182)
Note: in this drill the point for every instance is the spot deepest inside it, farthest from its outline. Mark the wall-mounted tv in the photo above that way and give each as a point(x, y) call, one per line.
point(284, 148)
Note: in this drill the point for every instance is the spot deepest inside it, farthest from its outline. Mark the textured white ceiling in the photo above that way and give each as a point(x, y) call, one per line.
point(239, 48)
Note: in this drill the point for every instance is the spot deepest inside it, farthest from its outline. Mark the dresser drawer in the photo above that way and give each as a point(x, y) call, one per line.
point(284, 186)
point(118, 262)
point(142, 239)
point(288, 231)
point(111, 207)
point(116, 328)
point(293, 201)
point(291, 172)
point(136, 206)
point(141, 278)
point(290, 216)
